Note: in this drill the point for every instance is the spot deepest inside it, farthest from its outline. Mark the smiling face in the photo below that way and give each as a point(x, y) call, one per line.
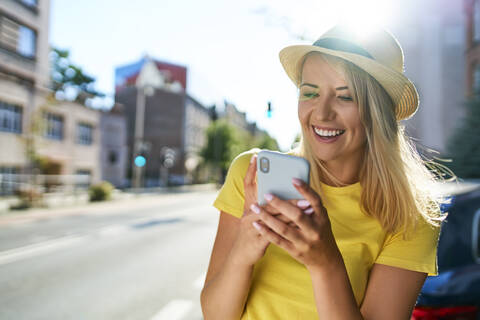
point(328, 115)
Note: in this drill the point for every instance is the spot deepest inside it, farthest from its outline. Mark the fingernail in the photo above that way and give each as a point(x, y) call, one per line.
point(255, 208)
point(297, 182)
point(268, 196)
point(303, 203)
point(253, 158)
point(308, 211)
point(256, 225)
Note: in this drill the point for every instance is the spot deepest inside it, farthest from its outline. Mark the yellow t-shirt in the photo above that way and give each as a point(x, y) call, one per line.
point(282, 288)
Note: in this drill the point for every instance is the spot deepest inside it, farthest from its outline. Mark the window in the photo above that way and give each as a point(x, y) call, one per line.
point(10, 118)
point(53, 126)
point(476, 236)
point(8, 180)
point(17, 37)
point(112, 157)
point(84, 134)
point(29, 3)
point(82, 179)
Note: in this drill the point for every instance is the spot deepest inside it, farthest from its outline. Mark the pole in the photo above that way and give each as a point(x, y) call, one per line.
point(139, 123)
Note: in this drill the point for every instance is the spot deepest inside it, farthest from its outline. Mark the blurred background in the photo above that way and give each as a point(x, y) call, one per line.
point(145, 103)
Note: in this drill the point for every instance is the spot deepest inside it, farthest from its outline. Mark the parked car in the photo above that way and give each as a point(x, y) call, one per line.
point(455, 293)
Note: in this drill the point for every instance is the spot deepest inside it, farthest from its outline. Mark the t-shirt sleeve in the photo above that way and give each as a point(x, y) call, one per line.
point(417, 253)
point(231, 196)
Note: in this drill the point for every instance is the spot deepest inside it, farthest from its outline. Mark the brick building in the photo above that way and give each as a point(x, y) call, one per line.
point(172, 119)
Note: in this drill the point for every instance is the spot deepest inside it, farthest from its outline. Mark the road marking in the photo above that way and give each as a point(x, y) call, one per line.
point(39, 248)
point(200, 281)
point(174, 310)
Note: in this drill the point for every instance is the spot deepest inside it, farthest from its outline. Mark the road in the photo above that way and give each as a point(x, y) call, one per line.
point(139, 259)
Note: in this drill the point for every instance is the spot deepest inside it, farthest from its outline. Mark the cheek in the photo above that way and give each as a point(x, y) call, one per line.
point(303, 112)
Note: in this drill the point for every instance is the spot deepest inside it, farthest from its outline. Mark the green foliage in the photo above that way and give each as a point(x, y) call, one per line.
point(222, 142)
point(225, 142)
point(464, 146)
point(101, 191)
point(68, 77)
point(266, 142)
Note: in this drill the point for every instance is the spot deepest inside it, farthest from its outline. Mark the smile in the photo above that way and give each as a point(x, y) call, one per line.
point(328, 133)
point(324, 135)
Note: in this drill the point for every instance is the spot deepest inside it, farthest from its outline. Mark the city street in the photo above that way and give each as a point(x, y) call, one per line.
point(142, 258)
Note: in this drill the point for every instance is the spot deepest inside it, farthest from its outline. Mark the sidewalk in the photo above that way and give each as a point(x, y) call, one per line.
point(120, 200)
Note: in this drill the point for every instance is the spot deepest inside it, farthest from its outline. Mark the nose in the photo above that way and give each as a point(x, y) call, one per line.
point(323, 109)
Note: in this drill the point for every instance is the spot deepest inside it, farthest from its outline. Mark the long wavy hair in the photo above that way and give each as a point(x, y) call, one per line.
point(398, 186)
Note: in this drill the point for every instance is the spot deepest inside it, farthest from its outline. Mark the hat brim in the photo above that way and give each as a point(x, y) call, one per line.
point(400, 88)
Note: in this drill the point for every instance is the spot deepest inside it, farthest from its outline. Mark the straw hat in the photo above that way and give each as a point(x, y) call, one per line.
point(379, 54)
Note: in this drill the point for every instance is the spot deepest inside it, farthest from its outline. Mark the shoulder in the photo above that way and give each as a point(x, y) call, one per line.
point(240, 164)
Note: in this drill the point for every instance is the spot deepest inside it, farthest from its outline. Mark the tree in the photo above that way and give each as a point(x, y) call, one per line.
point(464, 146)
point(69, 81)
point(218, 151)
point(225, 142)
point(265, 141)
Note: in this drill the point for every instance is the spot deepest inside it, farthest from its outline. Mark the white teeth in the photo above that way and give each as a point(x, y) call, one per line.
point(327, 133)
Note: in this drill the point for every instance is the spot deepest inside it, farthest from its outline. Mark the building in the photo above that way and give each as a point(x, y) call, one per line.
point(432, 35)
point(172, 125)
point(70, 142)
point(472, 63)
point(61, 137)
point(196, 122)
point(114, 150)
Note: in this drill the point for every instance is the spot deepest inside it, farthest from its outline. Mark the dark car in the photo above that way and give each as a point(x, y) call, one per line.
point(455, 292)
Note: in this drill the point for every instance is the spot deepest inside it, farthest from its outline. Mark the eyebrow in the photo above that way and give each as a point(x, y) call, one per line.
point(315, 86)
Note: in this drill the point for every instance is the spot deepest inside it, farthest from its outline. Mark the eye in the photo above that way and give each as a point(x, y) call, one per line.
point(345, 98)
point(308, 95)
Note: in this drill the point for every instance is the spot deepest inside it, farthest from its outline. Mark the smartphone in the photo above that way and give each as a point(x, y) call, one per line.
point(275, 171)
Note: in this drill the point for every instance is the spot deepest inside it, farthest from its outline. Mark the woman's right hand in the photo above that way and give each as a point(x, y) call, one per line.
point(249, 245)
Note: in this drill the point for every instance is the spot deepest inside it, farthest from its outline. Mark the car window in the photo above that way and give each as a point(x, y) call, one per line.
point(476, 236)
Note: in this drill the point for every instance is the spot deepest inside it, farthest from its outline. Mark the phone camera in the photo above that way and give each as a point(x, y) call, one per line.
point(264, 165)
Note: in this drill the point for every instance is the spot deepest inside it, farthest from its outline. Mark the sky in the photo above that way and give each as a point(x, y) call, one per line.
point(230, 48)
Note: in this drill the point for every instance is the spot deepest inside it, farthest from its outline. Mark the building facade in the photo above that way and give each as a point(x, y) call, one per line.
point(61, 137)
point(472, 64)
point(173, 123)
point(114, 150)
point(432, 36)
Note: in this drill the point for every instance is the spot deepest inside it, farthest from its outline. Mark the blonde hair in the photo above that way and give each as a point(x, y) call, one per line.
point(397, 187)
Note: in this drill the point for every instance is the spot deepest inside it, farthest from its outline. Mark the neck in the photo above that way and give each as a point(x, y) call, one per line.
point(344, 171)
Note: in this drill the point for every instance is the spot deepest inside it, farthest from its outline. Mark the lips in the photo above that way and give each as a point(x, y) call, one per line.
point(327, 135)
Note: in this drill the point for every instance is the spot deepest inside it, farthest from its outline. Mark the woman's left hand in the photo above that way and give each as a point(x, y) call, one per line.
point(312, 243)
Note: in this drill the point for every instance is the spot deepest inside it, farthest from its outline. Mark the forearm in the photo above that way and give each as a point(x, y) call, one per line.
point(333, 293)
point(224, 296)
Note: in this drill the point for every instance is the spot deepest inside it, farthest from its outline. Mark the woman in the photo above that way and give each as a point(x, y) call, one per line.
point(363, 240)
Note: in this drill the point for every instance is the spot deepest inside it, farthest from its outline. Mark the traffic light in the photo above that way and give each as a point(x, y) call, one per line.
point(269, 110)
point(140, 161)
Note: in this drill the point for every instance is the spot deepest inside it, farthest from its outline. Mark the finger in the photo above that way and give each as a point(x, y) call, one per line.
point(291, 211)
point(309, 194)
point(302, 204)
point(273, 237)
point(251, 171)
point(278, 226)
